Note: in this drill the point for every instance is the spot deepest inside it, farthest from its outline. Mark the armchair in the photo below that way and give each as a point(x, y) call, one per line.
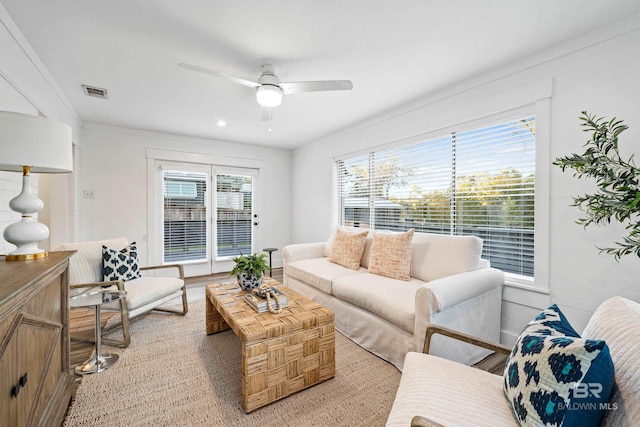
point(435, 391)
point(144, 294)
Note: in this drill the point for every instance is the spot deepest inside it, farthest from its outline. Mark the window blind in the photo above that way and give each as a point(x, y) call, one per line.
point(479, 182)
point(185, 216)
point(234, 195)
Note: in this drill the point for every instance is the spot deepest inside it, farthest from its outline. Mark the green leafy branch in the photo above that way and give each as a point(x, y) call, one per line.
point(618, 193)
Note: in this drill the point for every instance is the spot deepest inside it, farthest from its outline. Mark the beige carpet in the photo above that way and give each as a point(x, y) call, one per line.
point(173, 374)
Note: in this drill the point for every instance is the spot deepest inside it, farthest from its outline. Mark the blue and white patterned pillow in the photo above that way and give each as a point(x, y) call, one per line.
point(553, 377)
point(120, 265)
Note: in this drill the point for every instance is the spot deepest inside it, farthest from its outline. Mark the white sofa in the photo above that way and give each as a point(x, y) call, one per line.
point(450, 285)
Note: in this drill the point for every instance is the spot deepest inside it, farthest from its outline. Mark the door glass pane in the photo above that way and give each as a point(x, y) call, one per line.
point(234, 204)
point(185, 224)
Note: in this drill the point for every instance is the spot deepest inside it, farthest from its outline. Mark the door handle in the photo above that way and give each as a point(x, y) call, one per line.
point(15, 390)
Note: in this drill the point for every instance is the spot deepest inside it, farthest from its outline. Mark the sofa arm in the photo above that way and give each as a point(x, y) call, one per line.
point(448, 291)
point(302, 251)
point(469, 302)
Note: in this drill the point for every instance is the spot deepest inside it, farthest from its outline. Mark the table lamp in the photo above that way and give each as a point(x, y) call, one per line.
point(31, 144)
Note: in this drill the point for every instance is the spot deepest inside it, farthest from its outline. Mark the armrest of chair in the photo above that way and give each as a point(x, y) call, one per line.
point(118, 283)
point(160, 267)
point(419, 421)
point(436, 329)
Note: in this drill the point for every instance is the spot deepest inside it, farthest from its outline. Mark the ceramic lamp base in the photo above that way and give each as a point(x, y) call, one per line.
point(28, 232)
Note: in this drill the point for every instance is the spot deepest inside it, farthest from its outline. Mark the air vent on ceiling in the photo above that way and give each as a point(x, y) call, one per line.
point(94, 91)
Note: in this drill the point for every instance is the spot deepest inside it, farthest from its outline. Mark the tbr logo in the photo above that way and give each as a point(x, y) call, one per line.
point(587, 391)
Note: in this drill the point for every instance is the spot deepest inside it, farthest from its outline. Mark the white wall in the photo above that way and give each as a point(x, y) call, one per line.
point(11, 182)
point(27, 87)
point(598, 73)
point(114, 168)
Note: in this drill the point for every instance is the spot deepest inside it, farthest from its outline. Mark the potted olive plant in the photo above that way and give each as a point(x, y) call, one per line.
point(618, 182)
point(249, 270)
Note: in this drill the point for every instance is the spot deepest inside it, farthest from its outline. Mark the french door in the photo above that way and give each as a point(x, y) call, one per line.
point(209, 215)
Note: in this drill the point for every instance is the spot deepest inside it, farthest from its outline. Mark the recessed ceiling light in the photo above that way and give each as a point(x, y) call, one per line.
point(221, 123)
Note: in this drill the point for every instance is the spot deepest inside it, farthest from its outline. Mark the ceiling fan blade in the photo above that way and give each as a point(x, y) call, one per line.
point(219, 74)
point(299, 87)
point(265, 113)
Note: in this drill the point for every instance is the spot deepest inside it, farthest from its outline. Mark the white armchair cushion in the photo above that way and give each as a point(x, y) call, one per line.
point(617, 321)
point(145, 290)
point(86, 265)
point(449, 393)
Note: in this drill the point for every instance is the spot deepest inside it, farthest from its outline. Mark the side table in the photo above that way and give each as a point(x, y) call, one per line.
point(270, 251)
point(98, 362)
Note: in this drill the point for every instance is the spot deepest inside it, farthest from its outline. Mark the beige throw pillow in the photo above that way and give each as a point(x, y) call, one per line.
point(347, 248)
point(391, 254)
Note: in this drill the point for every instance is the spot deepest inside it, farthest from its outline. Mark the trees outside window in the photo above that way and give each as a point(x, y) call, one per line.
point(479, 182)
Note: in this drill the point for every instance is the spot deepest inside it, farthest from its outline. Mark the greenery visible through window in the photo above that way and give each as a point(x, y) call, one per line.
point(479, 182)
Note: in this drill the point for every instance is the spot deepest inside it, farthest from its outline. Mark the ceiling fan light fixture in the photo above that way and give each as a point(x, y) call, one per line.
point(269, 95)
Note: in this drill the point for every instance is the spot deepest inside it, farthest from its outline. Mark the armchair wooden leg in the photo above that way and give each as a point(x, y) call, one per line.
point(185, 305)
point(124, 322)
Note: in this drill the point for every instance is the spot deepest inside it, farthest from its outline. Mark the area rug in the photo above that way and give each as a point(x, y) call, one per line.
point(173, 374)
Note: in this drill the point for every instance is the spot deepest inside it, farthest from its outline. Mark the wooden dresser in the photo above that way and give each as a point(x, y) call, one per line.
point(35, 383)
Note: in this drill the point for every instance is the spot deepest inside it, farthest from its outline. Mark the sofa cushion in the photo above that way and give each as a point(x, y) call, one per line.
point(437, 255)
point(319, 272)
point(391, 299)
point(329, 244)
point(347, 248)
point(391, 254)
point(120, 265)
point(554, 377)
point(448, 393)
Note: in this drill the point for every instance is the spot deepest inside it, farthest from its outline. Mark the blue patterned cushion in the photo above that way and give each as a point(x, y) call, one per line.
point(120, 265)
point(553, 377)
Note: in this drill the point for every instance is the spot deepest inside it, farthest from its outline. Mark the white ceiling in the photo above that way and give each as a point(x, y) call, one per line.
point(393, 51)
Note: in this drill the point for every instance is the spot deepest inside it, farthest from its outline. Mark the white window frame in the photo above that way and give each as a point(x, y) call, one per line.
point(154, 218)
point(539, 96)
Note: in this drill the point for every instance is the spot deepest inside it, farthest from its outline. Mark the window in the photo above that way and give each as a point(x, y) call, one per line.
point(477, 182)
point(185, 215)
point(234, 200)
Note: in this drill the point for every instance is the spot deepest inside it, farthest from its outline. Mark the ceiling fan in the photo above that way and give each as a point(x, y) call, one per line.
point(269, 88)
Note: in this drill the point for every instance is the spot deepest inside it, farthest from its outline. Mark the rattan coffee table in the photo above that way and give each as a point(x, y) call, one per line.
point(281, 353)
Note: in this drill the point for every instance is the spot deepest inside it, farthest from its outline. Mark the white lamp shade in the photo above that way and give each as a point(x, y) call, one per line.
point(269, 95)
point(42, 144)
